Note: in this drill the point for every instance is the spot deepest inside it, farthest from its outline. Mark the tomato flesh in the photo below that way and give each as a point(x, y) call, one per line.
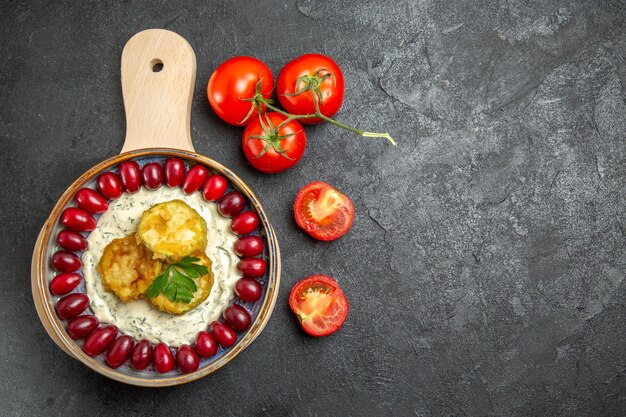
point(320, 305)
point(322, 211)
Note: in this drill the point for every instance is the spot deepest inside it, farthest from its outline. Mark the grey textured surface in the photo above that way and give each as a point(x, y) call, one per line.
point(485, 268)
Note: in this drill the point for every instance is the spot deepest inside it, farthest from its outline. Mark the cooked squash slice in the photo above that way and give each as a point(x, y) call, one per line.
point(203, 283)
point(172, 230)
point(127, 268)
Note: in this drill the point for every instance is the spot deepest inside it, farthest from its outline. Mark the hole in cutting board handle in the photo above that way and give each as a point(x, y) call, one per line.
point(156, 65)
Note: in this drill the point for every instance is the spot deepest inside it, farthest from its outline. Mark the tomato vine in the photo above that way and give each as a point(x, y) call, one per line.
point(311, 84)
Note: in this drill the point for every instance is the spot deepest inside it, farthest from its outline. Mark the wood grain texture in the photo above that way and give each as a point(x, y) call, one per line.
point(158, 75)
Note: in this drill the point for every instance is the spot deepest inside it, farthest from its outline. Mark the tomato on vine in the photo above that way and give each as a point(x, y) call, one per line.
point(233, 85)
point(273, 143)
point(310, 83)
point(310, 87)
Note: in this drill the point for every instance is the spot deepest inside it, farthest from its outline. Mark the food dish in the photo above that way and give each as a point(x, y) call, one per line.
point(159, 228)
point(141, 319)
point(258, 311)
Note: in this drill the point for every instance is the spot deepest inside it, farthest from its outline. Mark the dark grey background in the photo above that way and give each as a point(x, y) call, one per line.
point(485, 268)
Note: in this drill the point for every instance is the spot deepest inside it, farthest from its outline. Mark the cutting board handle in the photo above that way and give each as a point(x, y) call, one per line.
point(158, 76)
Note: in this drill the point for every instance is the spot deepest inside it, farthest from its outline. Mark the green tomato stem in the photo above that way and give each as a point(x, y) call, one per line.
point(319, 115)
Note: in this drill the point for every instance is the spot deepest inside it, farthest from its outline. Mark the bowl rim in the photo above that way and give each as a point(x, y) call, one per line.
point(58, 329)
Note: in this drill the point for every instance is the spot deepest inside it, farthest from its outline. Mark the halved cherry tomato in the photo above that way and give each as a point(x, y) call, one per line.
point(307, 79)
point(322, 211)
point(235, 81)
point(320, 305)
point(270, 147)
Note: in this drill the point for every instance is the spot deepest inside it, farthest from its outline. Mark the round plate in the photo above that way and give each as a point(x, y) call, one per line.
point(46, 246)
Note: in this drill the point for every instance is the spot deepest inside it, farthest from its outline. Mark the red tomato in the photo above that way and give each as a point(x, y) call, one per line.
point(322, 211)
point(307, 79)
point(320, 305)
point(270, 150)
point(233, 82)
